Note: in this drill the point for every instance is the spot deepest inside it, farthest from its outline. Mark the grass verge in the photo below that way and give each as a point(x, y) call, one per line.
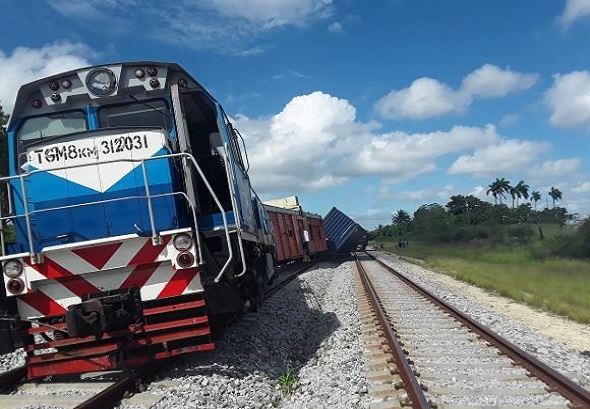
point(557, 285)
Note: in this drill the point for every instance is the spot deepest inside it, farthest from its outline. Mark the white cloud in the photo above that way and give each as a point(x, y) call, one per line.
point(269, 14)
point(510, 119)
point(560, 167)
point(574, 10)
point(316, 141)
point(440, 194)
point(505, 156)
point(583, 187)
point(427, 97)
point(226, 26)
point(335, 27)
point(400, 155)
point(29, 64)
point(569, 100)
point(489, 81)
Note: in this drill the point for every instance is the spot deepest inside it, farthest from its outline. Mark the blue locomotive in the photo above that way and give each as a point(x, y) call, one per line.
point(131, 222)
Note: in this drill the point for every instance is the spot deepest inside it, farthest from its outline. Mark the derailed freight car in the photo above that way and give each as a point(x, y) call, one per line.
point(288, 225)
point(344, 234)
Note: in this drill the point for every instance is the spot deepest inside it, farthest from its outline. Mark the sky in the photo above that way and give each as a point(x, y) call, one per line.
point(369, 106)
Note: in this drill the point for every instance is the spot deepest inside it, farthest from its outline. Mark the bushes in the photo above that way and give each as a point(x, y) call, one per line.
point(574, 245)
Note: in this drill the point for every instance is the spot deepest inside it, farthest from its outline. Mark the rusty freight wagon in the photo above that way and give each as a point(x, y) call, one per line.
point(288, 225)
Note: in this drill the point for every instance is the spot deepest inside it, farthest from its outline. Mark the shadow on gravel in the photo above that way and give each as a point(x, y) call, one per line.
point(283, 335)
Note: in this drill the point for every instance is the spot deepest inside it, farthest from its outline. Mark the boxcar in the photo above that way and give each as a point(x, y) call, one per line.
point(288, 225)
point(344, 234)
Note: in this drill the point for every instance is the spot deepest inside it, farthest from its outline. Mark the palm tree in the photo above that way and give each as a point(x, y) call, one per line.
point(515, 193)
point(523, 190)
point(498, 188)
point(535, 197)
point(400, 217)
point(555, 195)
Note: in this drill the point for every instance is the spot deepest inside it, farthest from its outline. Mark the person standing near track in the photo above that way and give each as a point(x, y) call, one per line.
point(305, 239)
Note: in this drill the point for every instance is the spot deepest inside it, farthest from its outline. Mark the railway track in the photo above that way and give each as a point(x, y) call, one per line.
point(91, 391)
point(424, 353)
point(99, 391)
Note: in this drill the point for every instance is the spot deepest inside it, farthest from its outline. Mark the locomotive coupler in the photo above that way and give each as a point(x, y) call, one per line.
point(103, 312)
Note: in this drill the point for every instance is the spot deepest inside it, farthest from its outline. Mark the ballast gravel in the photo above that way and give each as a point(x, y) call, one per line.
point(310, 331)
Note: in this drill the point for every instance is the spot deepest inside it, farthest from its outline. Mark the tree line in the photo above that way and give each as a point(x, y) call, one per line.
point(464, 218)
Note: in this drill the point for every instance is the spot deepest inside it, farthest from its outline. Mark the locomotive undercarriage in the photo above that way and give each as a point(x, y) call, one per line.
point(162, 329)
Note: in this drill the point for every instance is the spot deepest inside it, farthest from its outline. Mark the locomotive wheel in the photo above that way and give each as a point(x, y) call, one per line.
point(255, 294)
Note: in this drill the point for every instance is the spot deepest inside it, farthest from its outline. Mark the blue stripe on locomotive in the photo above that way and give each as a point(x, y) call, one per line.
point(88, 222)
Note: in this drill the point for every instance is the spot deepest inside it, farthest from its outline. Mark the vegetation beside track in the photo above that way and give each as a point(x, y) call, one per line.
point(557, 285)
point(532, 260)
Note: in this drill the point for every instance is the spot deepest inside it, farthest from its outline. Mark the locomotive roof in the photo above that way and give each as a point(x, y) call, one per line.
point(41, 86)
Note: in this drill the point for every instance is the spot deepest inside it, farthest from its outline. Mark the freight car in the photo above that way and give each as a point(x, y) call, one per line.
point(130, 223)
point(288, 222)
point(344, 234)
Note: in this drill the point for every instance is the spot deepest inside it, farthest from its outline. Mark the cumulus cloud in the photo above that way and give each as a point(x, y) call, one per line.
point(428, 97)
point(560, 167)
point(583, 187)
point(29, 64)
point(569, 100)
point(316, 141)
point(574, 10)
point(502, 157)
point(489, 81)
point(226, 26)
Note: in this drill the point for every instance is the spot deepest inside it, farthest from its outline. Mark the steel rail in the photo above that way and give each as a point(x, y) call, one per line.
point(111, 396)
point(410, 382)
point(579, 396)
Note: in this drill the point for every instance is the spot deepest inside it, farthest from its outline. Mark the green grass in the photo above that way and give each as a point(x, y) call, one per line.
point(287, 381)
point(557, 285)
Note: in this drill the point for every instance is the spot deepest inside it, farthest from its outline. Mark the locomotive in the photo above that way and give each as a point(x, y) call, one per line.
point(129, 220)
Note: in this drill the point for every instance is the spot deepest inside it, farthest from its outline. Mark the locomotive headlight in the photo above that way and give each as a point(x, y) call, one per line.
point(13, 268)
point(15, 286)
point(185, 259)
point(182, 242)
point(101, 82)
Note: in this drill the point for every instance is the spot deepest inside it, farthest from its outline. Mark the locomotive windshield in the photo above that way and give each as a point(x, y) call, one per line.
point(153, 113)
point(62, 123)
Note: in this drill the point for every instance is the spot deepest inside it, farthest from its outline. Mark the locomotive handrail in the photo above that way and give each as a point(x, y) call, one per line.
point(231, 181)
point(155, 236)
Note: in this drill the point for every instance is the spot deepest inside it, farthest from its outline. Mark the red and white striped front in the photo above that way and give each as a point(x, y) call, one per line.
point(65, 275)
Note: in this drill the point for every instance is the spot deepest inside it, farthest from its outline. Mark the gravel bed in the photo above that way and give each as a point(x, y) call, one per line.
point(311, 328)
point(556, 354)
point(12, 360)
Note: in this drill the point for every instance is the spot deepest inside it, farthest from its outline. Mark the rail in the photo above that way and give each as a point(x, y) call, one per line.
point(149, 197)
point(579, 396)
point(411, 385)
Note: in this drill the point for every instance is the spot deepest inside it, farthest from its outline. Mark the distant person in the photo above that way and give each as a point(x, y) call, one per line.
point(305, 238)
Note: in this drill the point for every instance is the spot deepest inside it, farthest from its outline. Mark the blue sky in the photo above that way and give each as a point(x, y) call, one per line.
point(367, 106)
